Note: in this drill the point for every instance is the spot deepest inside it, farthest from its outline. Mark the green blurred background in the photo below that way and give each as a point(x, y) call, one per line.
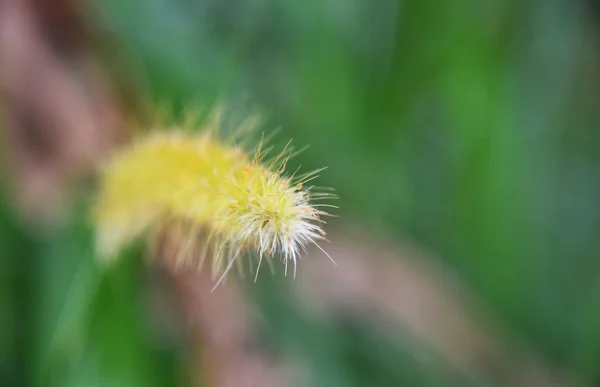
point(469, 128)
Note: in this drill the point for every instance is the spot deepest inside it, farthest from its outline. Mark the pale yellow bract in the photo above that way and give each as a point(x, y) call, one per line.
point(236, 199)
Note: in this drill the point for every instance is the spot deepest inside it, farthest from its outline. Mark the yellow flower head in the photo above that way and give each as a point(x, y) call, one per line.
point(178, 180)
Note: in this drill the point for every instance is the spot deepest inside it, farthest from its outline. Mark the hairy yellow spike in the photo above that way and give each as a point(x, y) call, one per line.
point(192, 184)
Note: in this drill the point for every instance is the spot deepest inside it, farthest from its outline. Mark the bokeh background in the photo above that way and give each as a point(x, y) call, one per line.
point(461, 137)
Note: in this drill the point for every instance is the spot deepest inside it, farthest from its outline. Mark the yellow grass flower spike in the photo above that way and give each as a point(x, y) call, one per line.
point(209, 194)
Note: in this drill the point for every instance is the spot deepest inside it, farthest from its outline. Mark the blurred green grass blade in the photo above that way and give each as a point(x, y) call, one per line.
point(92, 326)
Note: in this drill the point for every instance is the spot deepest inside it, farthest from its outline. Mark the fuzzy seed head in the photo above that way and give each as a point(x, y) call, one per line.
point(237, 200)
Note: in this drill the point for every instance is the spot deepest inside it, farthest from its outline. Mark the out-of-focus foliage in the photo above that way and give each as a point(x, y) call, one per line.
point(470, 127)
